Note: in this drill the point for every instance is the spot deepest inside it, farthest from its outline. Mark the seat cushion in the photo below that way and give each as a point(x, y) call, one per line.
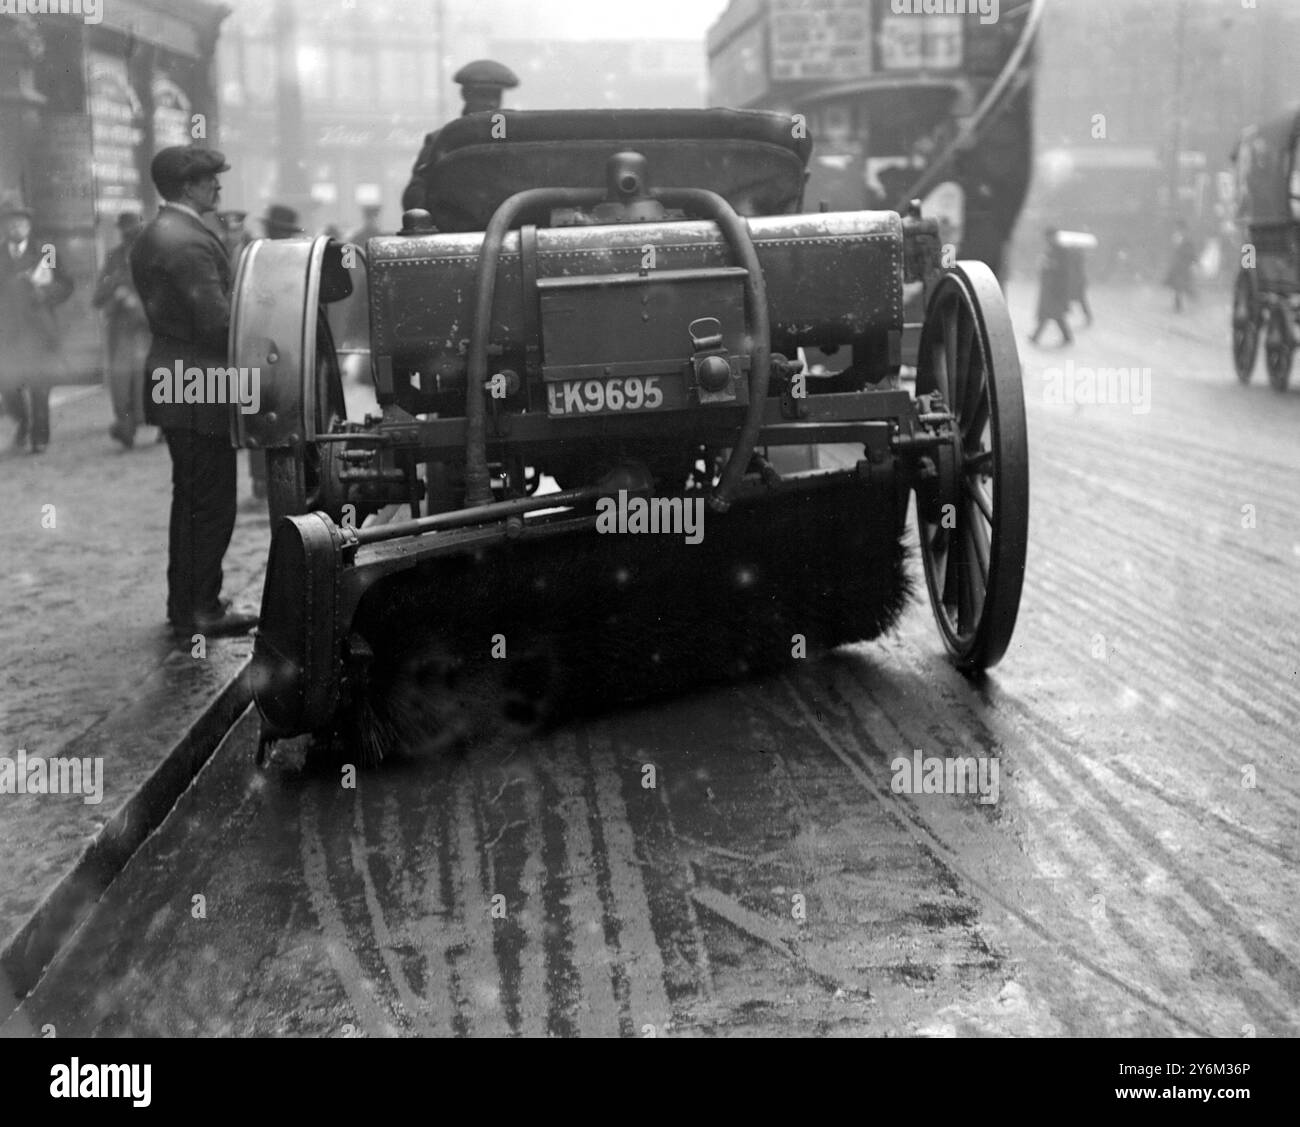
point(752, 159)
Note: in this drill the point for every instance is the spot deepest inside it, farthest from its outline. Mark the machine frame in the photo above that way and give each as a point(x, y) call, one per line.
point(469, 417)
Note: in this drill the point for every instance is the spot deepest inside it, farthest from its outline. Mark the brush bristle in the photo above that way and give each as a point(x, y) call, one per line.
point(590, 622)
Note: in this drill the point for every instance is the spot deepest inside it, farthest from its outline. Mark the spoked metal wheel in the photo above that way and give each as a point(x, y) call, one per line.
point(297, 476)
point(1245, 326)
point(1279, 347)
point(973, 510)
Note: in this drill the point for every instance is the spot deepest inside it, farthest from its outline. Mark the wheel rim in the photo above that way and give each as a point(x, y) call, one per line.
point(975, 569)
point(1278, 349)
point(295, 474)
point(1245, 328)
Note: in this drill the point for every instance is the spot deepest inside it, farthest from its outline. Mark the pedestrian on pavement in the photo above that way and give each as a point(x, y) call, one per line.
point(1079, 282)
point(482, 84)
point(128, 332)
point(33, 283)
point(1053, 288)
point(279, 222)
point(182, 273)
point(1181, 274)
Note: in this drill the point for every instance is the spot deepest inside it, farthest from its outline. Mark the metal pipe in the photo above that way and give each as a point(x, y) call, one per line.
point(967, 134)
point(736, 231)
point(478, 482)
point(459, 518)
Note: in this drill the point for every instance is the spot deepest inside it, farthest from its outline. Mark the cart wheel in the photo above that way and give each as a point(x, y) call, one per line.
point(973, 513)
point(1278, 347)
point(295, 474)
point(1245, 326)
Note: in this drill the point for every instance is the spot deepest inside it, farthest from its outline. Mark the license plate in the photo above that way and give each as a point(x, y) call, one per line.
point(604, 397)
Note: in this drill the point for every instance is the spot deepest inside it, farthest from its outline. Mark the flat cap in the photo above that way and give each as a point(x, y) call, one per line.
point(179, 163)
point(486, 72)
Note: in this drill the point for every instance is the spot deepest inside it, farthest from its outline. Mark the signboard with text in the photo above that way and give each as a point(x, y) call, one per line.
point(777, 42)
point(118, 133)
point(820, 40)
point(913, 43)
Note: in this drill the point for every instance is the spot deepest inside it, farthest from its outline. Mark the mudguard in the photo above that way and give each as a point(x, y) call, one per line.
point(297, 657)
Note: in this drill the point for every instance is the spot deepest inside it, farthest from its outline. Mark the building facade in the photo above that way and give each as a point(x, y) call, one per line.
point(326, 106)
point(85, 102)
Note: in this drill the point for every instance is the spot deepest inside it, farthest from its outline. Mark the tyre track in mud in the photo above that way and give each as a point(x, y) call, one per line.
point(655, 911)
point(862, 769)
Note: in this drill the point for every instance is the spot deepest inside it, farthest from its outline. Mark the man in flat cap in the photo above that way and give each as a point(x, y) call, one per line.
point(482, 84)
point(32, 284)
point(128, 332)
point(182, 273)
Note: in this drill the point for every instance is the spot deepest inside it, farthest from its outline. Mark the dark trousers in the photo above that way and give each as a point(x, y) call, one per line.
point(203, 519)
point(33, 423)
point(1065, 329)
point(126, 378)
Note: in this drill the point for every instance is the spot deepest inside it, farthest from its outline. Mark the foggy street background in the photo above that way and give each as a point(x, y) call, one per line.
point(1136, 875)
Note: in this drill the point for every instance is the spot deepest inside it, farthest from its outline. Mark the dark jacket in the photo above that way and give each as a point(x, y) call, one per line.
point(115, 295)
point(1077, 274)
point(182, 274)
point(29, 330)
point(1053, 283)
point(415, 193)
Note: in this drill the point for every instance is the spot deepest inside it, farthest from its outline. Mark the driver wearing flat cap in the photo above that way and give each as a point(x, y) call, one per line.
point(482, 84)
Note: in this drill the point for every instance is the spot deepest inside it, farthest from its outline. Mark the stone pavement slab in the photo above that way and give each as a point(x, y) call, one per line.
point(89, 671)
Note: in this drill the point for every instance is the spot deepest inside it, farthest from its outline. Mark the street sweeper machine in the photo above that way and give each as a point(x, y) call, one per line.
point(599, 469)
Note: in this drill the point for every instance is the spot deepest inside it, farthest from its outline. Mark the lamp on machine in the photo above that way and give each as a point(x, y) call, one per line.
point(627, 199)
point(713, 374)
